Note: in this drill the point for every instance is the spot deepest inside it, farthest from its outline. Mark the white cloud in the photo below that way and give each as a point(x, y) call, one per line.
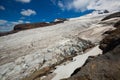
point(17, 22)
point(3, 22)
point(28, 12)
point(20, 21)
point(5, 25)
point(78, 5)
point(9, 25)
point(61, 5)
point(22, 17)
point(53, 1)
point(24, 1)
point(82, 5)
point(110, 5)
point(27, 22)
point(2, 7)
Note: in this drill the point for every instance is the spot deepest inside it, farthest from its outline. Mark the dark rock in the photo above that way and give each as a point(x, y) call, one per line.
point(76, 71)
point(106, 11)
point(20, 27)
point(117, 24)
point(7, 33)
point(103, 67)
point(107, 32)
point(110, 41)
point(117, 14)
point(59, 20)
point(36, 25)
point(30, 26)
point(102, 11)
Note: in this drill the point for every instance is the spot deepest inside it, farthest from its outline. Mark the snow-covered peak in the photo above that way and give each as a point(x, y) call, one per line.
point(60, 19)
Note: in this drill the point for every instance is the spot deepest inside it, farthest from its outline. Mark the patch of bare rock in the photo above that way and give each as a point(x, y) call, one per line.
point(117, 14)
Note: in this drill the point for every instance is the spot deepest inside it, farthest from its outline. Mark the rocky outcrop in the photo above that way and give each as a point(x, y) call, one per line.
point(117, 24)
point(36, 25)
point(117, 14)
point(7, 33)
point(102, 11)
point(26, 26)
point(103, 67)
point(59, 20)
point(110, 41)
point(30, 26)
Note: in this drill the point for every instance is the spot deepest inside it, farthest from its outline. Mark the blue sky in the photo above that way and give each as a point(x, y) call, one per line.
point(45, 11)
point(29, 11)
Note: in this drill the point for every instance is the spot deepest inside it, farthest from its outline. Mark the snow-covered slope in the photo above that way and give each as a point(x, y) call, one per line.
point(24, 52)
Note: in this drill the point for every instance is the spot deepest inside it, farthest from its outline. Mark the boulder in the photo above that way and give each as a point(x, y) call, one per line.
point(59, 20)
point(117, 14)
point(102, 11)
point(103, 67)
point(117, 24)
point(110, 41)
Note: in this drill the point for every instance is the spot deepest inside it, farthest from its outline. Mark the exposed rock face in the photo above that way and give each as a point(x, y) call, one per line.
point(117, 14)
point(30, 26)
point(117, 25)
point(102, 11)
point(36, 25)
point(59, 20)
point(103, 67)
point(7, 33)
point(106, 11)
point(110, 41)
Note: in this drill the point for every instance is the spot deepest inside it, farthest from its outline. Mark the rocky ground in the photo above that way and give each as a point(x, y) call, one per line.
point(31, 54)
point(113, 15)
point(103, 67)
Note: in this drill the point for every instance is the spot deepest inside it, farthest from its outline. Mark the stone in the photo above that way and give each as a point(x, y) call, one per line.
point(117, 14)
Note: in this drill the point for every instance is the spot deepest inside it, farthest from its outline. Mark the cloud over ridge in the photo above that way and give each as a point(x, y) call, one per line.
point(82, 5)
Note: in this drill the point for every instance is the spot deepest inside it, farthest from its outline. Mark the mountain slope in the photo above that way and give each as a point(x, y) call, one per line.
point(28, 51)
